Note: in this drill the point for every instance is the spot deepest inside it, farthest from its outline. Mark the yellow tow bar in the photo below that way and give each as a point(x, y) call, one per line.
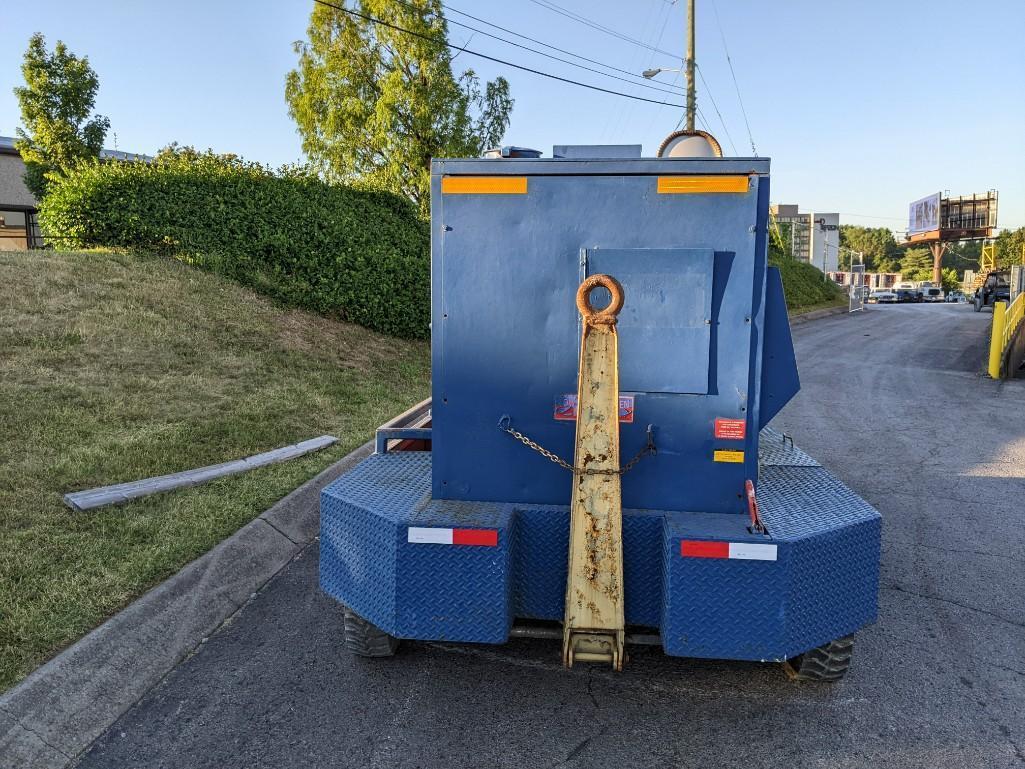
point(594, 627)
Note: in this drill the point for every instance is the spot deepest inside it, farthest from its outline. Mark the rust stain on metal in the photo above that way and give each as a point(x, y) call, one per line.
point(594, 622)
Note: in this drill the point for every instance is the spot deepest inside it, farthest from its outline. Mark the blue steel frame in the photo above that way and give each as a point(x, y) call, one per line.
point(385, 434)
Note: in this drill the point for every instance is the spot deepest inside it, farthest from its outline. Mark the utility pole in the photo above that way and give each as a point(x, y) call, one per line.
point(692, 100)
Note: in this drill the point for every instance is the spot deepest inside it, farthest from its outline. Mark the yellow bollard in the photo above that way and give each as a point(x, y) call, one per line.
point(996, 341)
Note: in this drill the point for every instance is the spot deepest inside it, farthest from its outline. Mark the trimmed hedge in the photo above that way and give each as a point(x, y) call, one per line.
point(359, 255)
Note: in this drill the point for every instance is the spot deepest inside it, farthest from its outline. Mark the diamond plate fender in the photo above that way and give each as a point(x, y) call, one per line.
point(822, 585)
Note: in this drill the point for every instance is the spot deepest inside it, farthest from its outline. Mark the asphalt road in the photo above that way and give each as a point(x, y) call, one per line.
point(893, 402)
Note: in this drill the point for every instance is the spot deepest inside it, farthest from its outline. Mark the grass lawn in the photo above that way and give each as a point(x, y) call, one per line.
point(806, 288)
point(115, 367)
point(842, 301)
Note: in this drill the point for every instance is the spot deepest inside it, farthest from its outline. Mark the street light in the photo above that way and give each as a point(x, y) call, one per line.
point(650, 73)
point(689, 63)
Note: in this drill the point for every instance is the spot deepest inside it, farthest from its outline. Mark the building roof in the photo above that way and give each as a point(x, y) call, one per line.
point(7, 148)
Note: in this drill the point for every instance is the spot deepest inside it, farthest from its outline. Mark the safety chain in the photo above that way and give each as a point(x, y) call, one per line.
point(649, 448)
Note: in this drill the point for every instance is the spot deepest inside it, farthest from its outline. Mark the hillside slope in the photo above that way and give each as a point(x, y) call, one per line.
point(115, 367)
point(805, 286)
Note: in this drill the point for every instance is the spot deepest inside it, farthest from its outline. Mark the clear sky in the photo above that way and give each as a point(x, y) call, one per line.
point(862, 106)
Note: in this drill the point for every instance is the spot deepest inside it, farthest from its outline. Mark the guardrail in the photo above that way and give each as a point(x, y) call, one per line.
point(1006, 320)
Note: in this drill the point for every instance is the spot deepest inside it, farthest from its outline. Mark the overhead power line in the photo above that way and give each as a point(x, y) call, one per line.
point(702, 123)
point(619, 118)
point(551, 6)
point(567, 61)
point(733, 74)
point(644, 83)
point(564, 61)
point(595, 25)
point(651, 121)
point(661, 34)
point(520, 35)
point(431, 38)
point(716, 107)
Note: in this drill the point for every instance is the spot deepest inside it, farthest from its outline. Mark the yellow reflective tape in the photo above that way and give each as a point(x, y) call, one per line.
point(484, 185)
point(697, 184)
point(727, 455)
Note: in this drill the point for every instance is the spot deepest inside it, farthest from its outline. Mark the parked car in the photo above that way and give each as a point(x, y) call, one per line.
point(955, 296)
point(932, 294)
point(908, 295)
point(882, 296)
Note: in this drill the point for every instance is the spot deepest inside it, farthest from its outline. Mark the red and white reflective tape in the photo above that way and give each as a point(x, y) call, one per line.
point(432, 536)
point(747, 551)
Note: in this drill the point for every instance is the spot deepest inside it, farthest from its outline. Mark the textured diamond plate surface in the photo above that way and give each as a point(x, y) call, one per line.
point(540, 557)
point(455, 593)
point(360, 532)
point(447, 592)
point(542, 536)
point(833, 580)
point(803, 501)
point(721, 608)
point(642, 542)
point(773, 449)
point(823, 584)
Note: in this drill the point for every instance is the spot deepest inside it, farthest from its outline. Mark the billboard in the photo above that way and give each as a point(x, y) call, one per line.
point(975, 212)
point(924, 214)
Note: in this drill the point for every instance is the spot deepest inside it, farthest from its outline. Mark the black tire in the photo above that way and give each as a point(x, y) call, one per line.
point(828, 662)
point(364, 639)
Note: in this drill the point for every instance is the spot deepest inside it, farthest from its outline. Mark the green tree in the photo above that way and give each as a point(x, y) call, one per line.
point(877, 243)
point(962, 255)
point(950, 279)
point(916, 264)
point(780, 241)
point(56, 103)
point(1010, 245)
point(374, 104)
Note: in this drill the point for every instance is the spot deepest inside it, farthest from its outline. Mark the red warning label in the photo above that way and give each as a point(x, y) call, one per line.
point(730, 429)
point(566, 408)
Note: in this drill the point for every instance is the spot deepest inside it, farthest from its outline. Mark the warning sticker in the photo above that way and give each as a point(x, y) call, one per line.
point(730, 429)
point(728, 455)
point(566, 408)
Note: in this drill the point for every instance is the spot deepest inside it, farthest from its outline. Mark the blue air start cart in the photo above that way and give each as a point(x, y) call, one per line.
point(718, 539)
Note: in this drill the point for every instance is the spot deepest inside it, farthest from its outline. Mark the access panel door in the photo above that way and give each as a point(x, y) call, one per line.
point(665, 324)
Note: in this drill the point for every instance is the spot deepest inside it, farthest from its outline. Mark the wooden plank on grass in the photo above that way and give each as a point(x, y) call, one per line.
point(122, 492)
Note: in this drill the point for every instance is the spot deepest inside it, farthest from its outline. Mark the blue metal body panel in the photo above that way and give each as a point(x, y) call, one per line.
point(822, 586)
point(670, 306)
point(780, 381)
point(703, 336)
point(505, 329)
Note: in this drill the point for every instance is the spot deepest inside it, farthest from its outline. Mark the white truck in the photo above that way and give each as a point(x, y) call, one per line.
point(931, 292)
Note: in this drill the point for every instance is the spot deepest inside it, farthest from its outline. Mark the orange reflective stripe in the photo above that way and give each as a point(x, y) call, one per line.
point(484, 185)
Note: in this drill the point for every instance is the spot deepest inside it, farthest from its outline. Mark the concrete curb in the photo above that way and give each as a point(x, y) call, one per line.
point(52, 716)
point(826, 312)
